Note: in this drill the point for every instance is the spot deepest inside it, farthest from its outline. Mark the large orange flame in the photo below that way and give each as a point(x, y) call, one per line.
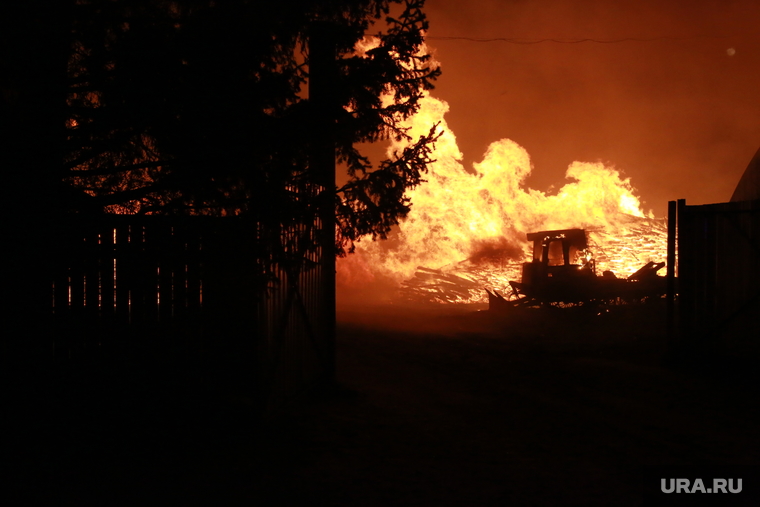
point(472, 224)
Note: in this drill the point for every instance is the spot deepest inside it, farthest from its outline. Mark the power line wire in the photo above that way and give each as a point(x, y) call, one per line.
point(578, 41)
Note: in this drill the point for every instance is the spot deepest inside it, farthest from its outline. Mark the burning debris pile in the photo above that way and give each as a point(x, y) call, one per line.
point(466, 229)
point(444, 286)
point(623, 252)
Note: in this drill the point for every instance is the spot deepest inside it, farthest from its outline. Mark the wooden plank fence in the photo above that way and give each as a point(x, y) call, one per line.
point(120, 280)
point(124, 284)
point(719, 276)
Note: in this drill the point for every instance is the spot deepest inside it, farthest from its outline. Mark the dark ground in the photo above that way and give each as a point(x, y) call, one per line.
point(434, 406)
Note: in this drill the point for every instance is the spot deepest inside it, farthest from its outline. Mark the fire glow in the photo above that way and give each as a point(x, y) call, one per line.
point(466, 229)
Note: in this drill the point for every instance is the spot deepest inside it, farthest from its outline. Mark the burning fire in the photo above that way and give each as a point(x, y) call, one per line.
point(466, 230)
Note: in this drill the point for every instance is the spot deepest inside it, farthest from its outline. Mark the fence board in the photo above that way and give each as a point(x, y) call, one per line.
point(106, 257)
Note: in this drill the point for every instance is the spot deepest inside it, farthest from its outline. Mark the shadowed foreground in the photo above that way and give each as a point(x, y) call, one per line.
point(478, 410)
point(435, 406)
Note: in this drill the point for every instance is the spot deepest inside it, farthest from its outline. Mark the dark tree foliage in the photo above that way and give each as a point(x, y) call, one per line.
point(201, 107)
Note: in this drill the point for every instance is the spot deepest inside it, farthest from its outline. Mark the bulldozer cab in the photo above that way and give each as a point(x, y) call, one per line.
point(558, 248)
point(556, 254)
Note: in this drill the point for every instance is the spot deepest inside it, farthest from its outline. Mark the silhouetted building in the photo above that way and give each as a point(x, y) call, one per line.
point(748, 188)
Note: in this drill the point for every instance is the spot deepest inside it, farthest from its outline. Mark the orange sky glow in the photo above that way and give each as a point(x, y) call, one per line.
point(679, 115)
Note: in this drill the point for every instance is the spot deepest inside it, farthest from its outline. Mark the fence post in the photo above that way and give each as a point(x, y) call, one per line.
point(671, 272)
point(322, 73)
point(685, 281)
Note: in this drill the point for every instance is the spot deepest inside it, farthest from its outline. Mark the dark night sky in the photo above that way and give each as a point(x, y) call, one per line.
point(680, 117)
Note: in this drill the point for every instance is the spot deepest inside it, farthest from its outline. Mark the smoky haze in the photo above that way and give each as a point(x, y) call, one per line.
point(679, 115)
